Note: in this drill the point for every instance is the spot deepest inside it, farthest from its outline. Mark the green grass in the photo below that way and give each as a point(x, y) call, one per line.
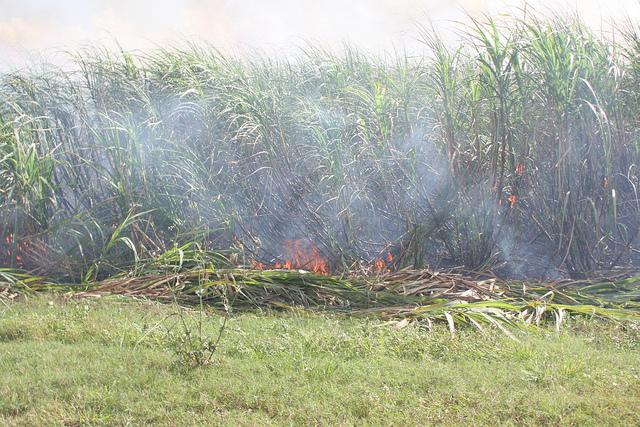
point(111, 361)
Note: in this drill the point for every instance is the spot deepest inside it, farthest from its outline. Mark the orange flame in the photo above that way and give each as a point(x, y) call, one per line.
point(304, 254)
point(512, 200)
point(257, 265)
point(379, 266)
point(14, 248)
point(299, 254)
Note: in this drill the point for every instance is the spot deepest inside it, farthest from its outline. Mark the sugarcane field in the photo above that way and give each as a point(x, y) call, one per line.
point(367, 212)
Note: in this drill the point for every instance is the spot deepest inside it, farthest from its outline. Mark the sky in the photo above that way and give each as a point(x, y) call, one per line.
point(31, 29)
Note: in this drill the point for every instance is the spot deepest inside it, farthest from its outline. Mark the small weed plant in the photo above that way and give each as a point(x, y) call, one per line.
point(195, 344)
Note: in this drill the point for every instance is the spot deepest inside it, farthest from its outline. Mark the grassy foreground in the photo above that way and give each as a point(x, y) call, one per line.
point(113, 361)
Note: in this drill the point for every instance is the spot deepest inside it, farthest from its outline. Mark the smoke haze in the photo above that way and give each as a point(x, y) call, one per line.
point(31, 28)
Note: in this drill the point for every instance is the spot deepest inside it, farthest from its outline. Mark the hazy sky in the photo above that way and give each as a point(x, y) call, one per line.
point(30, 27)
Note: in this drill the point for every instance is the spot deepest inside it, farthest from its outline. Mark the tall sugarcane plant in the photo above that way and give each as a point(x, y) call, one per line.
point(515, 149)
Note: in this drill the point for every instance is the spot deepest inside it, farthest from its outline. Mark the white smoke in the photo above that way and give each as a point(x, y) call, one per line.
point(33, 27)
